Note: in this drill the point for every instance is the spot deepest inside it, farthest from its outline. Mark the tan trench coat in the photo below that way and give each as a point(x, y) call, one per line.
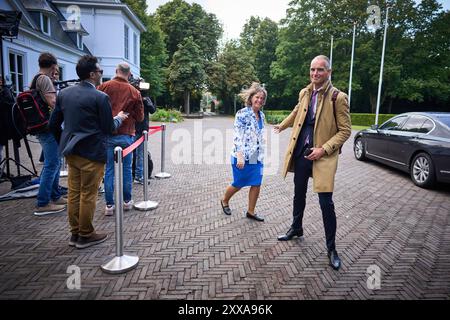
point(326, 134)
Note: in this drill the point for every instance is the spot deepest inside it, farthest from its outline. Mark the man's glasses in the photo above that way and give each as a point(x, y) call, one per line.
point(99, 70)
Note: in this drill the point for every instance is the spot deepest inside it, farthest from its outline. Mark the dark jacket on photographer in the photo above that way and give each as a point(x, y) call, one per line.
point(149, 108)
point(7, 129)
point(124, 97)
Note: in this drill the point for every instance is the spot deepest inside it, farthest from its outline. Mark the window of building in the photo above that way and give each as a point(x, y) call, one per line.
point(45, 24)
point(80, 41)
point(126, 52)
point(16, 71)
point(135, 48)
point(61, 73)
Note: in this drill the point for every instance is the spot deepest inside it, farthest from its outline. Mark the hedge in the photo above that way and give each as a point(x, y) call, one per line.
point(358, 119)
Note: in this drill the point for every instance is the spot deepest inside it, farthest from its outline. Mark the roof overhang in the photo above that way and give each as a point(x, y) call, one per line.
point(38, 5)
point(92, 4)
point(68, 26)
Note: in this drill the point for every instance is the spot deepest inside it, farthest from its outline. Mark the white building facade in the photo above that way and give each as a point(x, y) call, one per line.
point(107, 29)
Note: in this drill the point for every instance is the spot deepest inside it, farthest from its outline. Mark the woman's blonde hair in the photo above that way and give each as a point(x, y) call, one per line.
point(247, 94)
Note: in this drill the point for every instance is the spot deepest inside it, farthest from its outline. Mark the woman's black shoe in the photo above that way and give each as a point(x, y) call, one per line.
point(226, 209)
point(255, 217)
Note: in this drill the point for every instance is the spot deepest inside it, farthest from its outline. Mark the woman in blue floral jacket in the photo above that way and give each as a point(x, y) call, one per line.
point(248, 150)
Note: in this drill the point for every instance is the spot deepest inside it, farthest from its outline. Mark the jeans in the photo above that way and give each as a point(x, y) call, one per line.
point(139, 169)
point(303, 170)
point(122, 141)
point(49, 179)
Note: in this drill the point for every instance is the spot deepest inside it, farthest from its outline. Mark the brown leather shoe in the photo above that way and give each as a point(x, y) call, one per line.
point(95, 238)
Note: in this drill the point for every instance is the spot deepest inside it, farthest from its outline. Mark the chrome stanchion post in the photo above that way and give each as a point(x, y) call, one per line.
point(163, 174)
point(146, 204)
point(63, 172)
point(120, 263)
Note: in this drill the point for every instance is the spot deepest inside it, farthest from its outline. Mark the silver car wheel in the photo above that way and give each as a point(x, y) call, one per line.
point(359, 149)
point(421, 169)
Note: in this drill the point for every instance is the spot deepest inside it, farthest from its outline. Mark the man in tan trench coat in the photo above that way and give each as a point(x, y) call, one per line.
point(321, 124)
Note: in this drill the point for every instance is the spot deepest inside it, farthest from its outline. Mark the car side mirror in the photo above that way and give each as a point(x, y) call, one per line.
point(374, 127)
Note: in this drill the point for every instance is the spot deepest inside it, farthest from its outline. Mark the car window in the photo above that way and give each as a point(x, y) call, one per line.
point(393, 124)
point(414, 124)
point(427, 126)
point(445, 120)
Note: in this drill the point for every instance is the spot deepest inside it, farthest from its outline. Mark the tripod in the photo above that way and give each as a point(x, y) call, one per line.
point(5, 162)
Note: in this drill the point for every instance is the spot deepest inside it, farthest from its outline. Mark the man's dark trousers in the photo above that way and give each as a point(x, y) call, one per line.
point(302, 172)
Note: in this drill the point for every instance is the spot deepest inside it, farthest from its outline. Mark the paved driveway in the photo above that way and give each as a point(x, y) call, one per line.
point(189, 249)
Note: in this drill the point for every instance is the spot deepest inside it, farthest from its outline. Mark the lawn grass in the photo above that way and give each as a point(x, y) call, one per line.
point(359, 127)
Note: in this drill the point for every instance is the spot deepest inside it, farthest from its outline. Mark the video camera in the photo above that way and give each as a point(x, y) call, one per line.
point(139, 83)
point(66, 83)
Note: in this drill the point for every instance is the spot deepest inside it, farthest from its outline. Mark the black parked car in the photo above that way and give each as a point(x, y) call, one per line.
point(416, 142)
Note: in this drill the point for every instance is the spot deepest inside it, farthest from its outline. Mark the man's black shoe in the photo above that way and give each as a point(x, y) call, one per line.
point(225, 209)
point(255, 216)
point(335, 261)
point(290, 234)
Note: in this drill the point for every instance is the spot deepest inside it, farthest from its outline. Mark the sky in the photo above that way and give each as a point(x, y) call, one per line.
point(233, 14)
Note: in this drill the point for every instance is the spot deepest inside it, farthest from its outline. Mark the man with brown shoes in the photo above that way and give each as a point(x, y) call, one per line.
point(88, 121)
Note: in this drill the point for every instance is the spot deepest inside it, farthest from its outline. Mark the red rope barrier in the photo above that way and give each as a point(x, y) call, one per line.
point(130, 149)
point(137, 143)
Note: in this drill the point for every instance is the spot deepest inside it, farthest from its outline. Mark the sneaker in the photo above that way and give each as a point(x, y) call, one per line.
point(73, 240)
point(127, 206)
point(109, 210)
point(139, 181)
point(60, 201)
point(95, 238)
point(49, 209)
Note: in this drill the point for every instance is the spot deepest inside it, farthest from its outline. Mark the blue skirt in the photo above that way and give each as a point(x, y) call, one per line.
point(251, 175)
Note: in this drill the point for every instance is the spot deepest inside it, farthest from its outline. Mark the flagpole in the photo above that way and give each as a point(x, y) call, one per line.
point(380, 84)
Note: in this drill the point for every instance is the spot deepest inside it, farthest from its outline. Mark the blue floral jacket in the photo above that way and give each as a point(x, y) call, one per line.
point(248, 138)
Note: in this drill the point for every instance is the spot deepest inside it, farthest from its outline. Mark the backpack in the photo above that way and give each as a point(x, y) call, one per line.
point(150, 165)
point(34, 112)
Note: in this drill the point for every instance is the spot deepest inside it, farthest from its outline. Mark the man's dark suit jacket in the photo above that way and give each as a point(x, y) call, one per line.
point(87, 116)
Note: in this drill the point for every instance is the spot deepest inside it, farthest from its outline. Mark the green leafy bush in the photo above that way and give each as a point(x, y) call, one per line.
point(163, 115)
point(358, 119)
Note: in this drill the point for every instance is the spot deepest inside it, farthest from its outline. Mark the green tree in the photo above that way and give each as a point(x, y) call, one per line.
point(153, 51)
point(186, 72)
point(248, 34)
point(414, 35)
point(153, 58)
point(230, 74)
point(179, 20)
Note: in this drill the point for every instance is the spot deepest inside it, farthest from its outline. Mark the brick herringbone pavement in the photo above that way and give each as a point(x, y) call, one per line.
point(189, 249)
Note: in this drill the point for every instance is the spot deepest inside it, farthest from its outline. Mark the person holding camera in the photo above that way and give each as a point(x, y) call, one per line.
point(321, 124)
point(6, 103)
point(124, 97)
point(149, 108)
